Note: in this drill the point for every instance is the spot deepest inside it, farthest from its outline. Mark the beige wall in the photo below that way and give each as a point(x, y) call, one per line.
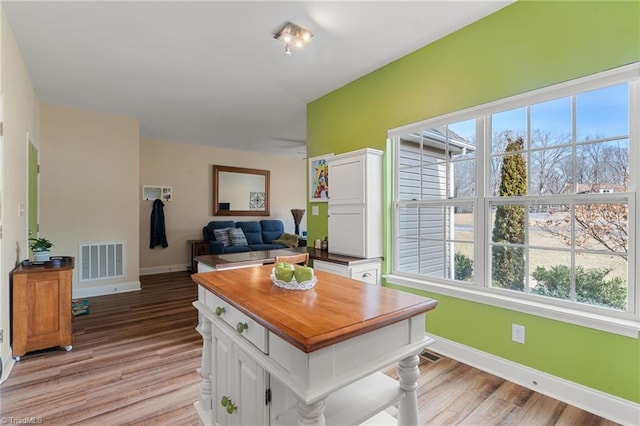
point(89, 187)
point(21, 122)
point(188, 170)
point(92, 169)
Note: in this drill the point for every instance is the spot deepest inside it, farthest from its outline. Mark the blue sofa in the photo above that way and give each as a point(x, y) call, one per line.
point(259, 235)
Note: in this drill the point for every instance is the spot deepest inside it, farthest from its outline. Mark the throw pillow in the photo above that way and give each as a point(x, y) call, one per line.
point(237, 237)
point(289, 240)
point(222, 235)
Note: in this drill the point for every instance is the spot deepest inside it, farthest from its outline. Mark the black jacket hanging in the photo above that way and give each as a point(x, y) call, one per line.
point(158, 234)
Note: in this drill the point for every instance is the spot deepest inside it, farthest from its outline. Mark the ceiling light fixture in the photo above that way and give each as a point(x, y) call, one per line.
point(293, 35)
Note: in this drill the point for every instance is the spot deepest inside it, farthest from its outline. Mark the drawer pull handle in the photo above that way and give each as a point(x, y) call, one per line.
point(242, 326)
point(220, 310)
point(226, 402)
point(366, 275)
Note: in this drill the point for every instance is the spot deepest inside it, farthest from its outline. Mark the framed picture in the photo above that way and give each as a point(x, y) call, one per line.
point(319, 178)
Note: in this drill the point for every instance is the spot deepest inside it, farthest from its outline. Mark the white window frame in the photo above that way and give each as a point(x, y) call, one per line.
point(627, 323)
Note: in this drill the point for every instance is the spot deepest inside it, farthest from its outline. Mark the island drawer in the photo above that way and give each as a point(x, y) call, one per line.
point(243, 324)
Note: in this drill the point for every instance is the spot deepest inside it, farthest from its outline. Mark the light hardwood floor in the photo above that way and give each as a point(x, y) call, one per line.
point(134, 362)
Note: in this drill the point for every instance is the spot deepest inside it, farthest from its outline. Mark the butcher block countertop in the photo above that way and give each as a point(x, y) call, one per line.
point(336, 309)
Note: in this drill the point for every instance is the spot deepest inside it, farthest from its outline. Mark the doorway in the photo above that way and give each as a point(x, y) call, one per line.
point(32, 207)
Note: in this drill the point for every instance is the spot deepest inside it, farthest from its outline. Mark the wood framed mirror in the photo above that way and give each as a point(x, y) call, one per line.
point(238, 191)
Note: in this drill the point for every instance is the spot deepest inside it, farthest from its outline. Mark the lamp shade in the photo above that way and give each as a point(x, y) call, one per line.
point(297, 218)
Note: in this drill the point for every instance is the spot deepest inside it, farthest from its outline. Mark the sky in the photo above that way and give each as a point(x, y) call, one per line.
point(599, 113)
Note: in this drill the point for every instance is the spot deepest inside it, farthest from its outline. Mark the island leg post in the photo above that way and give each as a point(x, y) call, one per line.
point(311, 414)
point(205, 370)
point(409, 373)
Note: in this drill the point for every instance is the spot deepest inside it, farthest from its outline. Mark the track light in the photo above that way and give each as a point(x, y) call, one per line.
point(292, 35)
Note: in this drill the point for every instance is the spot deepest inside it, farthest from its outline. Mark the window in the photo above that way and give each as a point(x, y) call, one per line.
point(531, 198)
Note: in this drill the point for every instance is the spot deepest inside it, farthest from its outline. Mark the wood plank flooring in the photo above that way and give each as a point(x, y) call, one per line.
point(134, 362)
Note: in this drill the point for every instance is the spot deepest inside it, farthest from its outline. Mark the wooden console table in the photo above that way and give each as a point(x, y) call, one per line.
point(313, 357)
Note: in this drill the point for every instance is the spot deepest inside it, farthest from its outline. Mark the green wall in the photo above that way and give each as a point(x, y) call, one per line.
point(522, 47)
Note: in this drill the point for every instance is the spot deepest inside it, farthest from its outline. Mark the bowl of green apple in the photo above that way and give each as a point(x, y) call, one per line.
point(292, 277)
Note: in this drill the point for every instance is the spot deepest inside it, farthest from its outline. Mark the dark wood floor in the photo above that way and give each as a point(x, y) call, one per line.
point(135, 357)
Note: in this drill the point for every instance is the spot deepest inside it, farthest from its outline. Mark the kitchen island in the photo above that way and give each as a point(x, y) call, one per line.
point(312, 357)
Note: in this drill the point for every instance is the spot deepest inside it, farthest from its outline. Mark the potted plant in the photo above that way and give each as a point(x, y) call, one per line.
point(40, 247)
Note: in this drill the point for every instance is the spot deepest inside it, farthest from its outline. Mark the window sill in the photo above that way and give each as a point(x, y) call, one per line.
point(628, 328)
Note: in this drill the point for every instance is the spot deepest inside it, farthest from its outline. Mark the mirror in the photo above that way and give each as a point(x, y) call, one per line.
point(240, 192)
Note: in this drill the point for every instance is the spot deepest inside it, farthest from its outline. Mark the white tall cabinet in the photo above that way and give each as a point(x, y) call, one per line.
point(355, 203)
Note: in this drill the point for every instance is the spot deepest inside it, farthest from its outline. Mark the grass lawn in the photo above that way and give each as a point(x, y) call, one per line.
point(544, 248)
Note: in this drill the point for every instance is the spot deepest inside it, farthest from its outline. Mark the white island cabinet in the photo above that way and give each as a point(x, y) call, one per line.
point(313, 357)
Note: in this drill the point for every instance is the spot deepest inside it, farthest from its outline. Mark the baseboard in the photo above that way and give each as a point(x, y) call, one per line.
point(102, 290)
point(602, 404)
point(7, 365)
point(162, 269)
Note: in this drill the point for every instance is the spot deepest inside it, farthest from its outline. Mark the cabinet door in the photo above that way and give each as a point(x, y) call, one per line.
point(346, 230)
point(346, 180)
point(221, 376)
point(241, 380)
point(250, 392)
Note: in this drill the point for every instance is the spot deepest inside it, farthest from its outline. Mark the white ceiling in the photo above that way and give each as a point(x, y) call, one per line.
point(211, 73)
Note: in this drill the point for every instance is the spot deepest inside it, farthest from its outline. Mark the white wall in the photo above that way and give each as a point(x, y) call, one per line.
point(188, 170)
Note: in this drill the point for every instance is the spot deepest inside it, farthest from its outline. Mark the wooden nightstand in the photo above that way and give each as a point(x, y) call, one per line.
point(41, 298)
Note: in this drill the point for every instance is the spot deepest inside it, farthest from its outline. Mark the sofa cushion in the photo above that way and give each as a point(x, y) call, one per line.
point(237, 237)
point(252, 231)
point(236, 249)
point(271, 229)
point(207, 231)
point(222, 235)
point(216, 247)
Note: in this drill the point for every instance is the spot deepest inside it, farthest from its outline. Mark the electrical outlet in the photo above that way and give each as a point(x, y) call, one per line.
point(517, 333)
point(315, 210)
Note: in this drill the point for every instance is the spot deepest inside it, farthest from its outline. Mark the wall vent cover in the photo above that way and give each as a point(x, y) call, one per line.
point(101, 261)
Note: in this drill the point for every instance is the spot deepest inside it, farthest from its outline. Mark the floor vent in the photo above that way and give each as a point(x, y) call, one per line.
point(430, 356)
point(101, 261)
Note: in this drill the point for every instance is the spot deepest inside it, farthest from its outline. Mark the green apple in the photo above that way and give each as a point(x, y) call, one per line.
point(303, 273)
point(283, 272)
point(286, 265)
